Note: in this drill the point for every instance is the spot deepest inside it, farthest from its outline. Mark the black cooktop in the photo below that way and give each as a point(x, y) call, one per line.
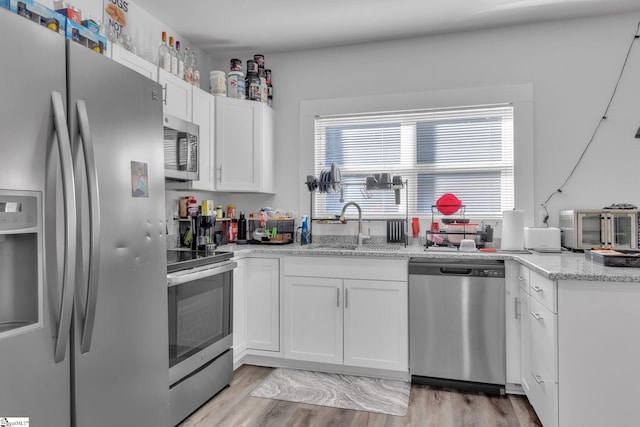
point(182, 259)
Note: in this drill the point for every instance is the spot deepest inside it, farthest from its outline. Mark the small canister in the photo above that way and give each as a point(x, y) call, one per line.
point(192, 209)
point(219, 214)
point(236, 65)
point(218, 82)
point(252, 66)
point(183, 204)
point(259, 60)
point(235, 85)
point(231, 211)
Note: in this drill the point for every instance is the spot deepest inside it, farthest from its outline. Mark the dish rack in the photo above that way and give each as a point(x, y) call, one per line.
point(479, 236)
point(330, 181)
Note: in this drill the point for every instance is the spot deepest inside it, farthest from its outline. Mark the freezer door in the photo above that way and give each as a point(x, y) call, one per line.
point(120, 344)
point(32, 384)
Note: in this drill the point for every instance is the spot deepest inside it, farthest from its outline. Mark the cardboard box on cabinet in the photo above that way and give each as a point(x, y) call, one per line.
point(38, 13)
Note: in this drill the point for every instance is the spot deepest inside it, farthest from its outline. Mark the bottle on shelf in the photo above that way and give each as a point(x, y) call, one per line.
point(188, 66)
point(174, 58)
point(180, 61)
point(194, 64)
point(164, 55)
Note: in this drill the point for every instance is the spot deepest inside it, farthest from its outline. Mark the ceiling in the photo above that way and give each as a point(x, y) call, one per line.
point(223, 28)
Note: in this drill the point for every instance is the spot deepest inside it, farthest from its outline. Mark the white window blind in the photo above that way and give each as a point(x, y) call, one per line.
point(467, 151)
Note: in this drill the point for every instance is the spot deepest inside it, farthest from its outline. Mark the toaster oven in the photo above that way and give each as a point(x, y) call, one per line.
point(600, 228)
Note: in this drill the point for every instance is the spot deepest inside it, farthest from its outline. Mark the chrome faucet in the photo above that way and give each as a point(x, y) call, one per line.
point(361, 237)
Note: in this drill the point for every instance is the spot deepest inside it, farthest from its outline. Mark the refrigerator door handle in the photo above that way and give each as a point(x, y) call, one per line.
point(70, 221)
point(94, 220)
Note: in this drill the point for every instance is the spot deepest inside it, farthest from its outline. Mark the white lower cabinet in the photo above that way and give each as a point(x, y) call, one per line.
point(539, 345)
point(263, 304)
point(239, 311)
point(338, 311)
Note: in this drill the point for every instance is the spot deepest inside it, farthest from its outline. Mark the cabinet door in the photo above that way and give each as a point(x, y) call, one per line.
point(133, 61)
point(237, 128)
point(266, 159)
point(263, 304)
point(512, 322)
point(239, 310)
point(313, 319)
point(177, 95)
point(204, 116)
point(376, 333)
point(525, 342)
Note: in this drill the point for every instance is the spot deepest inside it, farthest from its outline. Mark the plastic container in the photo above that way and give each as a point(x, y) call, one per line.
point(218, 81)
point(235, 85)
point(235, 65)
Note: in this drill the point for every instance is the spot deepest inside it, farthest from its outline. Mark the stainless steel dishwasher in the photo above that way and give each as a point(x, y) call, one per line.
point(456, 324)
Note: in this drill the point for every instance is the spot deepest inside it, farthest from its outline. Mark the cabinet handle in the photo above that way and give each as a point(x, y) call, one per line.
point(520, 279)
point(220, 173)
point(337, 297)
point(538, 378)
point(537, 316)
point(518, 304)
point(346, 298)
point(164, 94)
point(537, 289)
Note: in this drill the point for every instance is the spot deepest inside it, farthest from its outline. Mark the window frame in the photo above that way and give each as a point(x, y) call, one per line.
point(519, 95)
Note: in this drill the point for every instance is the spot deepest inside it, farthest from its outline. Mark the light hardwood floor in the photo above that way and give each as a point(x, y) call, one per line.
point(428, 406)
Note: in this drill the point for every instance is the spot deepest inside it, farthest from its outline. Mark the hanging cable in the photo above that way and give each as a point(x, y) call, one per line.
point(595, 131)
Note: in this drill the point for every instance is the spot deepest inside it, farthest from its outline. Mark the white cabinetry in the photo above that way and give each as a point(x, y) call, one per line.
point(239, 311)
point(263, 304)
point(512, 322)
point(203, 114)
point(347, 311)
point(539, 363)
point(134, 62)
point(598, 353)
point(244, 146)
point(177, 95)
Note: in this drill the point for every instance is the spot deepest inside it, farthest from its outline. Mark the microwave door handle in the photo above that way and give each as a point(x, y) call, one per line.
point(604, 230)
point(173, 280)
point(70, 224)
point(94, 226)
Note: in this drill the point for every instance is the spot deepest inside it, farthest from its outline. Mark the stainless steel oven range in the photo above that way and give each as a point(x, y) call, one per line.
point(200, 286)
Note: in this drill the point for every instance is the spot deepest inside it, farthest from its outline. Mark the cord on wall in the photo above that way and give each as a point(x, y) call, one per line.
point(595, 131)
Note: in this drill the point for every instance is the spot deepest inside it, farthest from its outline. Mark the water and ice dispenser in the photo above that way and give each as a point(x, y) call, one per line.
point(21, 282)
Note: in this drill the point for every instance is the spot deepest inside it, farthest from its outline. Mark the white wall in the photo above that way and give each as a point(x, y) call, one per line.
point(573, 66)
point(146, 33)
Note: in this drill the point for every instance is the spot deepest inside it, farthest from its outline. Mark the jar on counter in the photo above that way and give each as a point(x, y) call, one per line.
point(219, 213)
point(192, 209)
point(231, 211)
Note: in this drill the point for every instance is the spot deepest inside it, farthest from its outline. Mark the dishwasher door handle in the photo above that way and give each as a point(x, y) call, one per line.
point(455, 271)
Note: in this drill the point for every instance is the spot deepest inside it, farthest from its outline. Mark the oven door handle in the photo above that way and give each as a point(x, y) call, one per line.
point(173, 280)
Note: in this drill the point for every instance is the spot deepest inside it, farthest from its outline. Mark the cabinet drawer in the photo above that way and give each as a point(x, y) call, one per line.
point(544, 396)
point(543, 289)
point(347, 268)
point(543, 338)
point(523, 277)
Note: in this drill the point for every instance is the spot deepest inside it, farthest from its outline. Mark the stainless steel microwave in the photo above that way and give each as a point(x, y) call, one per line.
point(606, 228)
point(181, 149)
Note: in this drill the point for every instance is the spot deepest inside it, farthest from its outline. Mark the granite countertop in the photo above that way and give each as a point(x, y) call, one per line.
point(555, 266)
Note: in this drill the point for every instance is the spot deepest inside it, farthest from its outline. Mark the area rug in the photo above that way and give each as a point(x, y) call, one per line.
point(336, 390)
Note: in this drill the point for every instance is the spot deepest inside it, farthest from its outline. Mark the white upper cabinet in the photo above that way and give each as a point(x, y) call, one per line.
point(204, 114)
point(133, 61)
point(244, 146)
point(177, 95)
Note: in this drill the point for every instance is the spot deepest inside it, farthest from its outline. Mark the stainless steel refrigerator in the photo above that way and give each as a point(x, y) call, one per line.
point(83, 297)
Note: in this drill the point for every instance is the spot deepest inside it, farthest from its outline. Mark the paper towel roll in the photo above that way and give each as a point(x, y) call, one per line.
point(512, 230)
